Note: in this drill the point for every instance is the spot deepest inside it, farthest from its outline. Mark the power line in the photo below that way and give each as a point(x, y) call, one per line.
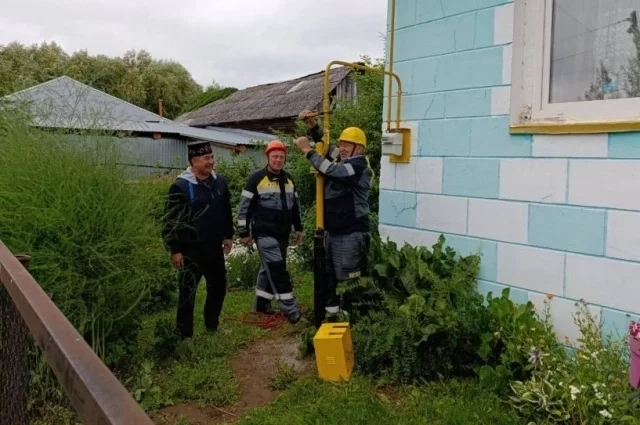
point(590, 31)
point(570, 15)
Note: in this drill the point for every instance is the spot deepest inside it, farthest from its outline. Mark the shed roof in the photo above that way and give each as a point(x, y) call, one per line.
point(66, 103)
point(268, 101)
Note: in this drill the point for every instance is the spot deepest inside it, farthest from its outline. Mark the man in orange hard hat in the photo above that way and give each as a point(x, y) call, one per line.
point(348, 178)
point(267, 211)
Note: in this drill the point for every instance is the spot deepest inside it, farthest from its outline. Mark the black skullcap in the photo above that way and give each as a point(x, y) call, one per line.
point(199, 148)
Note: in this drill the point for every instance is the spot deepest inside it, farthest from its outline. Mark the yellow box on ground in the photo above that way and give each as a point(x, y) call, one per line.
point(334, 351)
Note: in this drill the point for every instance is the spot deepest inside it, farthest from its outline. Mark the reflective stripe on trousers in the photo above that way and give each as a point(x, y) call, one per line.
point(273, 278)
point(345, 257)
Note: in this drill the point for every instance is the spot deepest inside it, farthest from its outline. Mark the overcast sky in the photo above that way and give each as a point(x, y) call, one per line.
point(236, 42)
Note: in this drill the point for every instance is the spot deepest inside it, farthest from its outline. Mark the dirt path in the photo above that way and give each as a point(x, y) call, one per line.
point(254, 367)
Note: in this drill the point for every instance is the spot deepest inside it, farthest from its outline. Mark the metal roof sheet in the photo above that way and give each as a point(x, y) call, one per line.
point(70, 104)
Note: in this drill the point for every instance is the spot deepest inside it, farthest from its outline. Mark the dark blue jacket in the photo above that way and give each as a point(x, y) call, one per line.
point(197, 213)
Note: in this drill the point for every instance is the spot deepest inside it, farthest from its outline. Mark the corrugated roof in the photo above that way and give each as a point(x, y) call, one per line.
point(70, 104)
point(268, 101)
point(67, 103)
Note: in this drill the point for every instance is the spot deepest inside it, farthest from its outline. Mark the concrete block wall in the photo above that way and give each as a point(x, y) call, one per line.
point(556, 215)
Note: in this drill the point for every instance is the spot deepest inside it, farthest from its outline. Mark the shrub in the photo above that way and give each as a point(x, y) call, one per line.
point(507, 344)
point(236, 171)
point(424, 310)
point(96, 248)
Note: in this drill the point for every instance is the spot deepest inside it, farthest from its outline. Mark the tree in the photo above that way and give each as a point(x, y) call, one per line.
point(135, 77)
point(366, 111)
point(632, 72)
point(213, 93)
point(597, 89)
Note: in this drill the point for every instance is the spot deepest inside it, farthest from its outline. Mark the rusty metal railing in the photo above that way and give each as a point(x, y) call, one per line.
point(25, 309)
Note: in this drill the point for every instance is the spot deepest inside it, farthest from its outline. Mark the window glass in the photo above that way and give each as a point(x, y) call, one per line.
point(595, 50)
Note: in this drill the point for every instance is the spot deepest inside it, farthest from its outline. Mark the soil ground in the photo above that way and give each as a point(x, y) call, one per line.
point(254, 368)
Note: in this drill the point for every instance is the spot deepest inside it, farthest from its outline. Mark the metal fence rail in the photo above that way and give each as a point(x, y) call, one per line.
point(25, 309)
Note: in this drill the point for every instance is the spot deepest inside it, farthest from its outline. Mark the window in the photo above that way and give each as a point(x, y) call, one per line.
point(576, 61)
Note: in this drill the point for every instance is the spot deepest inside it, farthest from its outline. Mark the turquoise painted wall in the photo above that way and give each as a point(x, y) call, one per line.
point(550, 215)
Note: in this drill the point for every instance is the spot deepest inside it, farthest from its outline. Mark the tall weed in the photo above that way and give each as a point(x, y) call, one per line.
point(95, 245)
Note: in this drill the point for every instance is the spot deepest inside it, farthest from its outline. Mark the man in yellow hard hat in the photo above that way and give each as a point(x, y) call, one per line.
point(267, 212)
point(348, 178)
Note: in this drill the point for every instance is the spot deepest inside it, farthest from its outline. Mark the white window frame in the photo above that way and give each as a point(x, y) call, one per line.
point(530, 78)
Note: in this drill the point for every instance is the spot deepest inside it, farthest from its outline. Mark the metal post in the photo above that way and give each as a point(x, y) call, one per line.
point(319, 283)
point(14, 354)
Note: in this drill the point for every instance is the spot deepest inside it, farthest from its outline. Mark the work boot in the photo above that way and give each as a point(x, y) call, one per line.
point(264, 306)
point(294, 317)
point(341, 316)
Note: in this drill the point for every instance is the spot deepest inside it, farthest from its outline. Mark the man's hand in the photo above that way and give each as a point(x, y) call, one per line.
point(303, 144)
point(177, 260)
point(246, 241)
point(297, 238)
point(309, 117)
point(227, 245)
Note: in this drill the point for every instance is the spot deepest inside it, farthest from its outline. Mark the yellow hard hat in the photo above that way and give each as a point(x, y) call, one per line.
point(354, 135)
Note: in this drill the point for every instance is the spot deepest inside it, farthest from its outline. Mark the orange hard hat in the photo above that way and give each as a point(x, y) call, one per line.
point(275, 145)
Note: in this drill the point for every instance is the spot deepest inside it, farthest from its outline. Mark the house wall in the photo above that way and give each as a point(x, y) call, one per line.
point(555, 215)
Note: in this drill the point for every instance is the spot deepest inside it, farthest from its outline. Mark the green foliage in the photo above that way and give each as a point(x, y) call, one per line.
point(135, 77)
point(197, 370)
point(166, 338)
point(311, 401)
point(365, 112)
point(419, 312)
point(209, 96)
point(57, 414)
point(309, 229)
point(285, 376)
point(515, 333)
point(236, 171)
point(146, 391)
point(96, 249)
point(387, 347)
point(243, 265)
point(588, 386)
point(300, 169)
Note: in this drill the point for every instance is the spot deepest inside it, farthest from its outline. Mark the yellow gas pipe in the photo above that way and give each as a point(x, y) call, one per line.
point(321, 147)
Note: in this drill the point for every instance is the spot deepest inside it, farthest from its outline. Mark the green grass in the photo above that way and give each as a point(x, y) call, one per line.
point(313, 402)
point(201, 374)
point(199, 370)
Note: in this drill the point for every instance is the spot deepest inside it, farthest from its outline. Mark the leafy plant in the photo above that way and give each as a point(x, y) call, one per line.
point(146, 391)
point(425, 308)
point(236, 171)
point(166, 338)
point(588, 386)
point(514, 335)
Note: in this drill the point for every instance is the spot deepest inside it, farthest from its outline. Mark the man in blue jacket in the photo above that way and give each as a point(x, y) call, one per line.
point(198, 232)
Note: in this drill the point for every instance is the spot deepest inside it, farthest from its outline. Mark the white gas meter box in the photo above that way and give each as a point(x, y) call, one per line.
point(391, 143)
